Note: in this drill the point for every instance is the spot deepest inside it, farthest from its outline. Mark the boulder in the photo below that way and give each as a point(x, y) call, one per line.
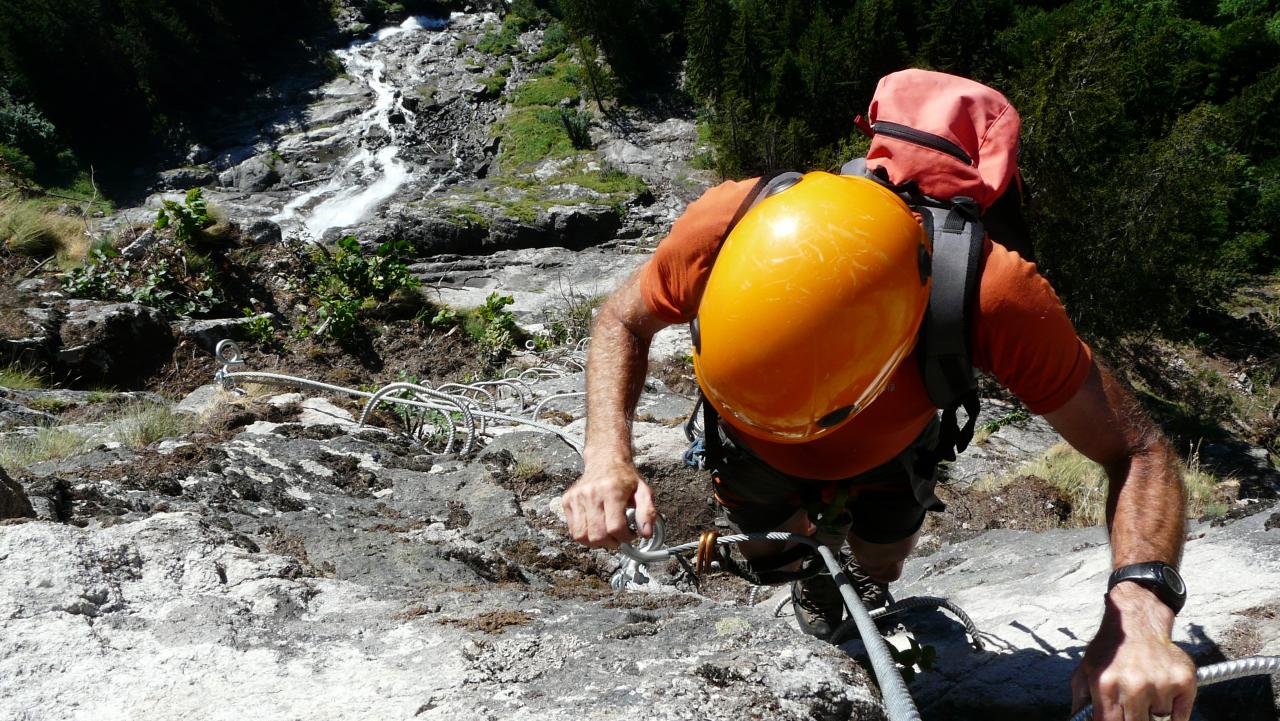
point(263, 232)
point(582, 226)
point(112, 343)
point(209, 332)
point(13, 500)
point(185, 178)
point(252, 176)
point(13, 415)
point(141, 244)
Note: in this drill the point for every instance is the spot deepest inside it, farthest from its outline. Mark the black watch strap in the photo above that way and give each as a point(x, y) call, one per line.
point(1163, 579)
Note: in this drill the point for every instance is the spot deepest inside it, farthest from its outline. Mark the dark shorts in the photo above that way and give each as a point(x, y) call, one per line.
point(883, 505)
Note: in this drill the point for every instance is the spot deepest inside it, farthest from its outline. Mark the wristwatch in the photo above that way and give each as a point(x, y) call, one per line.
point(1163, 580)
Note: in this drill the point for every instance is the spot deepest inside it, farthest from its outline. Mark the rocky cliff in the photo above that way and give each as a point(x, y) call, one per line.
point(253, 550)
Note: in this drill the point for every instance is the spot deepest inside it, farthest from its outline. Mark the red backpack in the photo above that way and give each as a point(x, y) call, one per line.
point(948, 147)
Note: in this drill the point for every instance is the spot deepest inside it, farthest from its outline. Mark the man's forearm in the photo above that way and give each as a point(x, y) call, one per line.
point(1146, 509)
point(616, 368)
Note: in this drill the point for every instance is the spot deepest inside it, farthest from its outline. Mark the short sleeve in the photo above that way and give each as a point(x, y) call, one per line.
point(673, 279)
point(1022, 334)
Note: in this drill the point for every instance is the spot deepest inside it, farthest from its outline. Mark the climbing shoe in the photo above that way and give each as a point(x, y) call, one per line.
point(818, 605)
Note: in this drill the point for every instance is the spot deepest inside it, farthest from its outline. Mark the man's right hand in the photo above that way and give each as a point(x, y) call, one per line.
point(596, 505)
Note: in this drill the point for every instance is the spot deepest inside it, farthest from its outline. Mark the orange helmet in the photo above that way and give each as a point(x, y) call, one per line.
point(815, 298)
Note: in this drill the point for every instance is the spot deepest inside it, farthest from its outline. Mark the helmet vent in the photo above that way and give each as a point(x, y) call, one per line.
point(835, 417)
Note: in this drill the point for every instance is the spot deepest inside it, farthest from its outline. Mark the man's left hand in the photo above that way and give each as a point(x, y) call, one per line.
point(1131, 670)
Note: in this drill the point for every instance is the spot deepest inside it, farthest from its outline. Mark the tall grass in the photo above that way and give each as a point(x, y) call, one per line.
point(19, 379)
point(27, 229)
point(1083, 484)
point(46, 444)
point(138, 425)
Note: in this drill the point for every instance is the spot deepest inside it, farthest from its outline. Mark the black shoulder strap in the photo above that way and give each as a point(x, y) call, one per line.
point(946, 360)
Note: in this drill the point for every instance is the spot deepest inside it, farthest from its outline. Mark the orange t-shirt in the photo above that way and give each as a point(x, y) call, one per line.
point(1021, 336)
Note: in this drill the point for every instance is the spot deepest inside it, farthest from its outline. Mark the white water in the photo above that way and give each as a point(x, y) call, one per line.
point(364, 179)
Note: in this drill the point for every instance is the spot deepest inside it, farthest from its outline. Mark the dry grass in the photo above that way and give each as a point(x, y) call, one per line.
point(26, 229)
point(1083, 483)
point(46, 444)
point(19, 379)
point(138, 425)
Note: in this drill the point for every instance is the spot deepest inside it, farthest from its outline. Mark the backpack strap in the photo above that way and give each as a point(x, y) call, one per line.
point(946, 360)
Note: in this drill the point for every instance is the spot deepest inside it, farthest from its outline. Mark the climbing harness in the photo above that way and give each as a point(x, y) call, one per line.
point(453, 415)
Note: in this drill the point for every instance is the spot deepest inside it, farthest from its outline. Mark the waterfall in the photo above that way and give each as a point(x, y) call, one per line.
point(364, 179)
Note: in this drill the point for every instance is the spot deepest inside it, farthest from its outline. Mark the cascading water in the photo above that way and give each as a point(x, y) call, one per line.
point(367, 177)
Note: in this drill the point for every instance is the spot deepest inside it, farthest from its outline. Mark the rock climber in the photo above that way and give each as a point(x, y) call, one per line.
point(808, 308)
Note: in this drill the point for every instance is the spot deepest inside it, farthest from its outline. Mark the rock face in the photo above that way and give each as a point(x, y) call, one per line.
point(1037, 597)
point(336, 574)
point(111, 342)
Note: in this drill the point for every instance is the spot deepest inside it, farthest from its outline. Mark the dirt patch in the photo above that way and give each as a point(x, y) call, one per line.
point(651, 601)
point(573, 558)
point(527, 480)
point(284, 543)
point(417, 612)
point(493, 622)
point(1027, 503)
point(683, 496)
point(677, 374)
point(350, 477)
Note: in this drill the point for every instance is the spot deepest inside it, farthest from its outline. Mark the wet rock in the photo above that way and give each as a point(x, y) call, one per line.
point(13, 499)
point(112, 343)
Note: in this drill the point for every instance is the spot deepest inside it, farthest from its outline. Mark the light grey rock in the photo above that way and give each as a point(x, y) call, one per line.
point(117, 618)
point(1037, 597)
point(207, 333)
point(253, 175)
point(112, 343)
point(1009, 446)
point(141, 245)
point(203, 400)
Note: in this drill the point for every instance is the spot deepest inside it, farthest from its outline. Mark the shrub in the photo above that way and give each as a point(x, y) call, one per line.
point(188, 218)
point(577, 125)
point(492, 326)
point(347, 280)
point(165, 279)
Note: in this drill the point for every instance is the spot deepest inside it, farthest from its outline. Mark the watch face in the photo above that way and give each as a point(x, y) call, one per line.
point(1173, 580)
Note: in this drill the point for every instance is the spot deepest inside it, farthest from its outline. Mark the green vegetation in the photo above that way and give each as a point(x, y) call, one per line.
point(138, 425)
point(346, 282)
point(171, 279)
point(46, 444)
point(985, 430)
point(1083, 485)
point(259, 328)
point(187, 218)
point(530, 135)
point(19, 378)
point(492, 326)
point(116, 80)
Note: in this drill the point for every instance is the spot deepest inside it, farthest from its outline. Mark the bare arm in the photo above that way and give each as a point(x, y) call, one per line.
point(595, 506)
point(1131, 669)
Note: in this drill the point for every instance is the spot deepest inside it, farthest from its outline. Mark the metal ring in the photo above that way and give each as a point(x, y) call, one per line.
point(1162, 716)
point(228, 352)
